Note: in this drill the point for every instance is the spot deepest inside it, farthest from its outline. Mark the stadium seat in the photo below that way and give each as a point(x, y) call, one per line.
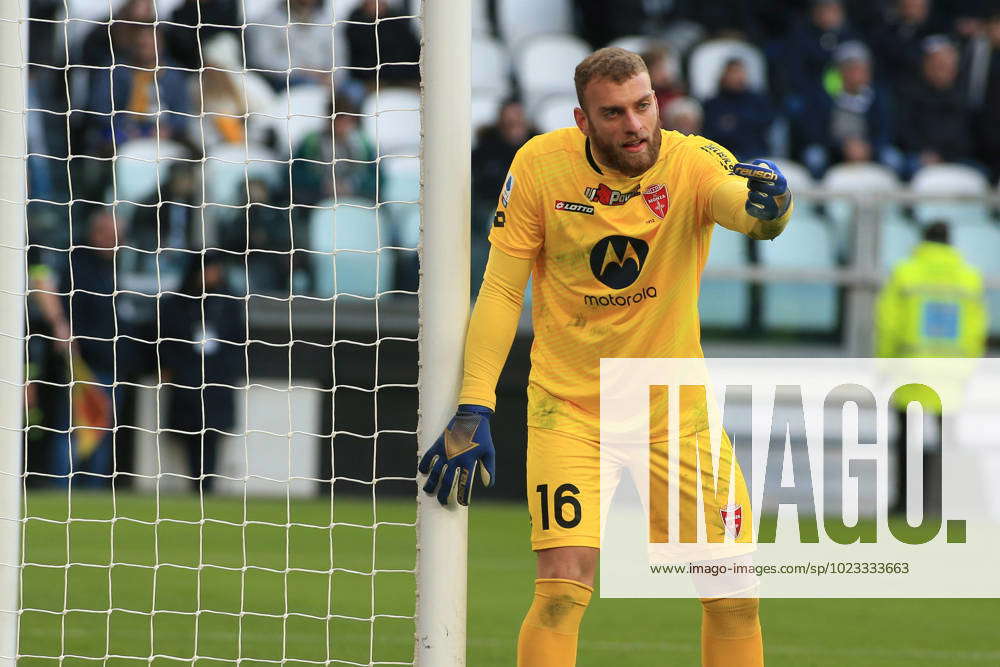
point(722, 302)
point(392, 120)
point(545, 66)
point(490, 68)
point(227, 167)
point(708, 60)
point(950, 179)
point(484, 111)
point(399, 179)
point(347, 238)
point(860, 178)
point(305, 109)
point(520, 19)
point(899, 237)
point(141, 164)
point(979, 243)
point(682, 36)
point(555, 112)
point(805, 244)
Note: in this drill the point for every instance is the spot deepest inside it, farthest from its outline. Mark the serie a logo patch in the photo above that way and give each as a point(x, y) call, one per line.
point(574, 207)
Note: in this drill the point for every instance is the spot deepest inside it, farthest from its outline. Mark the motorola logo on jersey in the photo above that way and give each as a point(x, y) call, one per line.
point(617, 260)
point(602, 194)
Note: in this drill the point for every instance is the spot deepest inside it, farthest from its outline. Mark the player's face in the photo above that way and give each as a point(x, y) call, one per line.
point(622, 122)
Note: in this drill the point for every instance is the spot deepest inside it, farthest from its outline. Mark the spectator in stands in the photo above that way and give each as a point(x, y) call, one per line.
point(147, 96)
point(378, 35)
point(341, 153)
point(491, 157)
point(935, 123)
point(169, 223)
point(988, 112)
point(853, 124)
point(225, 92)
point(737, 117)
point(808, 56)
point(665, 74)
point(102, 355)
point(261, 233)
point(47, 369)
point(898, 40)
point(932, 306)
point(683, 115)
point(202, 357)
point(104, 44)
point(293, 44)
point(600, 22)
point(194, 23)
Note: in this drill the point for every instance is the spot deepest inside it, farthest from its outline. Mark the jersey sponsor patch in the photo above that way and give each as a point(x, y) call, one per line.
point(508, 187)
point(617, 260)
point(574, 207)
point(602, 194)
point(657, 199)
point(720, 155)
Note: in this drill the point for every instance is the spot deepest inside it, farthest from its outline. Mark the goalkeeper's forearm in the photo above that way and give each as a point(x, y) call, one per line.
point(492, 327)
point(728, 202)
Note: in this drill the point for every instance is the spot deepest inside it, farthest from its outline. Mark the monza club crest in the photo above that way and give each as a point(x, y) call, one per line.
point(732, 519)
point(657, 199)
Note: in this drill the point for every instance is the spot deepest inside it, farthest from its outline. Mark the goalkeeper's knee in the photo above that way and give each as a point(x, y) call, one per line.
point(730, 618)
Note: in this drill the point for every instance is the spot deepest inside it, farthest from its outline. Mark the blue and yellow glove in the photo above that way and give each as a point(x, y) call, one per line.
point(463, 447)
point(769, 197)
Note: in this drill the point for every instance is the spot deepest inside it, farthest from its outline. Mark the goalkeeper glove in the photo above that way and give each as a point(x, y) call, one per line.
point(769, 197)
point(463, 447)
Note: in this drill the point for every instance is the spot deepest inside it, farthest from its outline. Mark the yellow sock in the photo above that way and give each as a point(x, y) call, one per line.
point(549, 631)
point(730, 633)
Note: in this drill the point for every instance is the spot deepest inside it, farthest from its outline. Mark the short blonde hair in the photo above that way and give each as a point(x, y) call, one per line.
point(610, 62)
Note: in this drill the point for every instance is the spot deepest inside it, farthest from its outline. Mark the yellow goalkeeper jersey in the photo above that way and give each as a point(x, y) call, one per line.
point(618, 262)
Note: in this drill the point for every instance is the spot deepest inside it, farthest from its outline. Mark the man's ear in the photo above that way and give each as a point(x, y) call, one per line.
point(581, 120)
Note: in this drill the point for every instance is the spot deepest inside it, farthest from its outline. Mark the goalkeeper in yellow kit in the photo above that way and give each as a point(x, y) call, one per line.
point(613, 218)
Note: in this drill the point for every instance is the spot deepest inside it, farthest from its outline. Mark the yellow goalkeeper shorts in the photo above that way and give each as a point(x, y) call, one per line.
point(564, 493)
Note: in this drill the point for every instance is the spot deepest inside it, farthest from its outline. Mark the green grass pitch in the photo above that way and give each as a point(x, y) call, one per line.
point(171, 579)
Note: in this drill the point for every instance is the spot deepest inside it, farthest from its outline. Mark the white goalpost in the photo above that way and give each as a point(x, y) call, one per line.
point(238, 483)
point(12, 293)
point(443, 532)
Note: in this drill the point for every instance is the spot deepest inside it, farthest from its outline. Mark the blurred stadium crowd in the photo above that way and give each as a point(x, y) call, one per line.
point(273, 133)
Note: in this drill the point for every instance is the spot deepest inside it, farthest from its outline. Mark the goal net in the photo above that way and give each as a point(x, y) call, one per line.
point(210, 361)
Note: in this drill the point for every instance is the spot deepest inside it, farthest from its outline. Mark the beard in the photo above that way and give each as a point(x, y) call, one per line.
point(631, 164)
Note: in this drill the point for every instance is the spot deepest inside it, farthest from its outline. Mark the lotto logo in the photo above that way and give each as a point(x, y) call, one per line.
point(574, 207)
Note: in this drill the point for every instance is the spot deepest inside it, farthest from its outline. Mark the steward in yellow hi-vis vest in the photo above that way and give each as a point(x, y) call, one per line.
point(932, 306)
point(613, 220)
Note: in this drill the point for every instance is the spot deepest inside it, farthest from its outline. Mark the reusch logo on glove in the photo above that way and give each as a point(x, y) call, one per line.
point(758, 173)
point(573, 207)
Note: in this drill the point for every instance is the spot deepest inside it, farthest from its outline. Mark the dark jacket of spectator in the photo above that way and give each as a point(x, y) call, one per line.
point(811, 46)
point(262, 234)
point(935, 120)
point(185, 38)
point(897, 40)
point(203, 332)
point(737, 117)
point(988, 114)
point(95, 312)
point(494, 151)
point(375, 37)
